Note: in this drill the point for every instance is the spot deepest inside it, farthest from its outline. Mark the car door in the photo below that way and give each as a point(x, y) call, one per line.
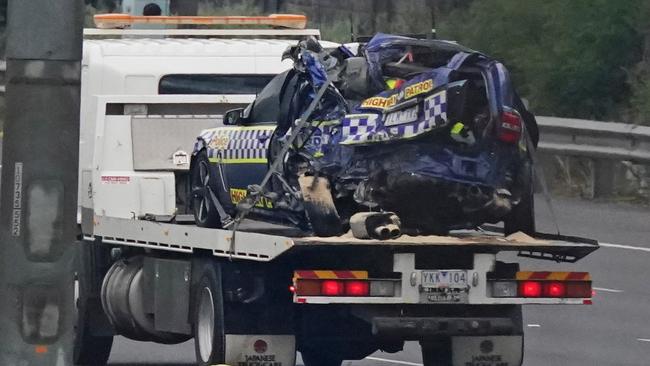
point(244, 158)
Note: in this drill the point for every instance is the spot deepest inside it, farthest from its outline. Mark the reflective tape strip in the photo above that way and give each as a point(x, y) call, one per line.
point(331, 275)
point(244, 161)
point(553, 276)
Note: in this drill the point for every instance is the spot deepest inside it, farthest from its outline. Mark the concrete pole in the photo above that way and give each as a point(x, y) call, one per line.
point(38, 207)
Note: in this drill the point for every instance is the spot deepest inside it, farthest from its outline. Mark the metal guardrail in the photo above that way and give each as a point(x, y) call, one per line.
point(593, 139)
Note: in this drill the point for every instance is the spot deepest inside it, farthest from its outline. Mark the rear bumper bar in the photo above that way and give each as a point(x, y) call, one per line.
point(419, 327)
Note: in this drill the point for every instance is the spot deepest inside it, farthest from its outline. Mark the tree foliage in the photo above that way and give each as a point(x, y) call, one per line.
point(569, 58)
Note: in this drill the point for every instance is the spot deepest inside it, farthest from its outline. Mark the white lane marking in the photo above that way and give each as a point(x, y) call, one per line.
point(643, 340)
point(621, 246)
point(602, 289)
point(394, 361)
point(534, 326)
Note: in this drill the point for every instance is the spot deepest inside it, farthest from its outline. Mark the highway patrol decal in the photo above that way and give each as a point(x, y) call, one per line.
point(391, 98)
point(380, 103)
point(418, 88)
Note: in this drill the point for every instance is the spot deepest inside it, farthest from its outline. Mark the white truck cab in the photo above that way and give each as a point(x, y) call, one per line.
point(217, 70)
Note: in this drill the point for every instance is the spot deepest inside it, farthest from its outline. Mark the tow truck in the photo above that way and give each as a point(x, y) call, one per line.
point(258, 295)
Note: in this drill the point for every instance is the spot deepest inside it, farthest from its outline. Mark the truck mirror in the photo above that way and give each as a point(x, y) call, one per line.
point(233, 117)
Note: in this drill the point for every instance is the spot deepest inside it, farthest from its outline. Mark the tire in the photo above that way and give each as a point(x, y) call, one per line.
point(208, 321)
point(436, 353)
point(88, 348)
point(321, 357)
point(202, 181)
point(522, 216)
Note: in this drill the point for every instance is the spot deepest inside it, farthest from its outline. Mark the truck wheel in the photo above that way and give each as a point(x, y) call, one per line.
point(436, 353)
point(209, 337)
point(522, 216)
point(202, 179)
point(89, 349)
point(321, 357)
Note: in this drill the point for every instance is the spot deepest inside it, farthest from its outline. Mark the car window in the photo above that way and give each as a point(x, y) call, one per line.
point(212, 84)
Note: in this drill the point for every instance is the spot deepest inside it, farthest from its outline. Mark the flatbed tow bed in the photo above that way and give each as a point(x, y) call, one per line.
point(263, 242)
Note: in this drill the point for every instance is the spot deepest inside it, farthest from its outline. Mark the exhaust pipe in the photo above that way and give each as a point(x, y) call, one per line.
point(375, 225)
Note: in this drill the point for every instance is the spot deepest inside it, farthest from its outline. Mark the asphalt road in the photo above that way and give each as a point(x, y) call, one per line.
point(613, 331)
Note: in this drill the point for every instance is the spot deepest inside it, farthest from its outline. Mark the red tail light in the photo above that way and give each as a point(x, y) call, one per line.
point(530, 289)
point(510, 127)
point(332, 288)
point(357, 288)
point(554, 289)
point(579, 289)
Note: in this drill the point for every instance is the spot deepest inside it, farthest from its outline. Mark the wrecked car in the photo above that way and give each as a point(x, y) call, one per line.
point(427, 130)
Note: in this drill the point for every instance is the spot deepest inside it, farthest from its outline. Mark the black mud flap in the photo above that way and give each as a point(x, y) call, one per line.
point(319, 206)
point(489, 350)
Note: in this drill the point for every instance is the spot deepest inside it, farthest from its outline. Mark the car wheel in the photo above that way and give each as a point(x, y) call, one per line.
point(522, 216)
point(202, 179)
point(208, 322)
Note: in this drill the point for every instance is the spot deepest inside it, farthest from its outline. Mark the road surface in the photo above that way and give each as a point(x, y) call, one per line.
point(613, 331)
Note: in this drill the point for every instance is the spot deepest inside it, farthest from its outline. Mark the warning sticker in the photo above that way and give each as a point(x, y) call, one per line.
point(16, 214)
point(110, 179)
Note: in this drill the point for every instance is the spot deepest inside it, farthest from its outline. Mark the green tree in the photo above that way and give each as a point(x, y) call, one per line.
point(568, 57)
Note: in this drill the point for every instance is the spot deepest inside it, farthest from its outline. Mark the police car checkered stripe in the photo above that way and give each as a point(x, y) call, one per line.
point(435, 108)
point(358, 127)
point(244, 145)
point(362, 128)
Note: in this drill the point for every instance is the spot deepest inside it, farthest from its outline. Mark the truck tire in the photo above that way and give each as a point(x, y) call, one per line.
point(89, 348)
point(436, 353)
point(202, 179)
point(522, 216)
point(324, 356)
point(208, 321)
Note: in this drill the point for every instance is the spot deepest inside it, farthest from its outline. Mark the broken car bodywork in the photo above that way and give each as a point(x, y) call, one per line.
point(427, 129)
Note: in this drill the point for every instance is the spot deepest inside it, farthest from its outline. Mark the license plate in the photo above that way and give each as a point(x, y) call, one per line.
point(444, 279)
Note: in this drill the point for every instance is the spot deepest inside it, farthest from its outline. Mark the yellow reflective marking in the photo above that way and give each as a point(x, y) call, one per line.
point(326, 274)
point(237, 195)
point(524, 275)
point(245, 161)
point(362, 275)
point(458, 127)
point(419, 88)
point(558, 276)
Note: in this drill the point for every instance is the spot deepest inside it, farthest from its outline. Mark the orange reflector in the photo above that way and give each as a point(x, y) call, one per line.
point(40, 349)
point(553, 276)
point(330, 275)
point(107, 21)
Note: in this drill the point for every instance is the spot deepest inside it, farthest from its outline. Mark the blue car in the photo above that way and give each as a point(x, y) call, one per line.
point(426, 129)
